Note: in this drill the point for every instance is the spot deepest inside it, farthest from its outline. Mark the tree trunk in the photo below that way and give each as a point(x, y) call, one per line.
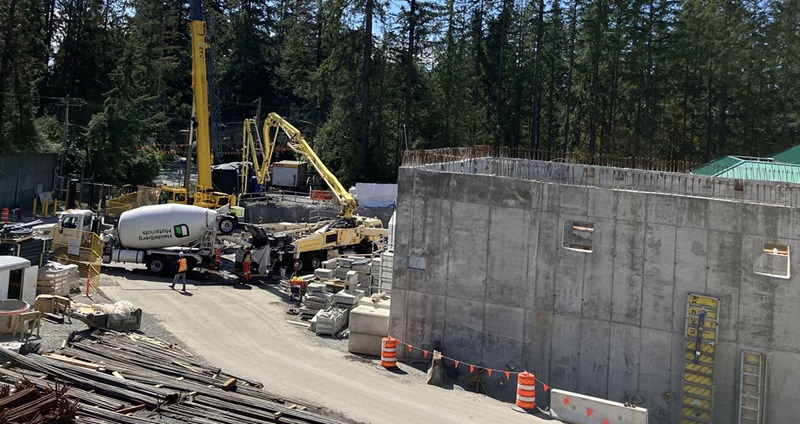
point(572, 34)
point(408, 86)
point(536, 107)
point(365, 92)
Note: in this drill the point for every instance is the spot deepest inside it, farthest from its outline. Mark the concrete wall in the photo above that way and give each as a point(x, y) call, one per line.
point(491, 280)
point(20, 175)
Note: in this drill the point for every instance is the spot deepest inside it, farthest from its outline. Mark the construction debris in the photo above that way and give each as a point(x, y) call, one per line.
point(110, 374)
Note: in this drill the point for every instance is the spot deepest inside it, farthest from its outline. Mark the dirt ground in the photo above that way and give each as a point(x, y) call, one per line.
point(244, 330)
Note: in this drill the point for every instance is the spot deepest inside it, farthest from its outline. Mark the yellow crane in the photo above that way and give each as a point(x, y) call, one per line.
point(255, 151)
point(348, 232)
point(204, 194)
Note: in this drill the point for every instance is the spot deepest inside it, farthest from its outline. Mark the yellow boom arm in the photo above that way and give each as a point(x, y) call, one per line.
point(253, 146)
point(298, 143)
point(200, 89)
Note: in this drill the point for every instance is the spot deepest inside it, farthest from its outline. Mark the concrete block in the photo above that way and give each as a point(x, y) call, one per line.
point(724, 277)
point(344, 262)
point(628, 272)
point(467, 253)
point(659, 277)
point(662, 209)
point(325, 274)
point(507, 257)
point(623, 361)
point(598, 272)
point(329, 264)
point(691, 253)
point(364, 344)
point(565, 348)
point(368, 320)
point(593, 364)
point(571, 407)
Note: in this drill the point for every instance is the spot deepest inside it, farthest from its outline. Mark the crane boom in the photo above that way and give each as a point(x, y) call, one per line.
point(298, 143)
point(200, 88)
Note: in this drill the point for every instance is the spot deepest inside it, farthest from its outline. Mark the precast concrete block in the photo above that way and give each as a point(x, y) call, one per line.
point(691, 257)
point(368, 320)
point(598, 272)
point(508, 257)
point(364, 344)
point(692, 212)
point(574, 200)
point(467, 253)
point(594, 358)
point(724, 278)
point(624, 357)
point(602, 203)
point(781, 403)
point(662, 209)
point(546, 262)
point(659, 276)
point(631, 206)
point(571, 407)
point(628, 272)
point(565, 348)
point(724, 215)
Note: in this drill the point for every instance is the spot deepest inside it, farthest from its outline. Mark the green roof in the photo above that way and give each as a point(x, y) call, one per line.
point(763, 171)
point(717, 165)
point(790, 155)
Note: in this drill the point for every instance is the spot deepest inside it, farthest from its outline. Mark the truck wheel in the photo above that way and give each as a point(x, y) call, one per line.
point(226, 225)
point(314, 261)
point(156, 266)
point(298, 264)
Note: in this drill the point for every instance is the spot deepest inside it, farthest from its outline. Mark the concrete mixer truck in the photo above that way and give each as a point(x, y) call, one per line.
point(155, 235)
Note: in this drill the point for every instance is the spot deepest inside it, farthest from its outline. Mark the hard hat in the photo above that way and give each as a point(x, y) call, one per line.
point(180, 254)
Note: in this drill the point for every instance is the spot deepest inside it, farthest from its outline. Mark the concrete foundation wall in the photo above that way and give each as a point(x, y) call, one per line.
point(482, 268)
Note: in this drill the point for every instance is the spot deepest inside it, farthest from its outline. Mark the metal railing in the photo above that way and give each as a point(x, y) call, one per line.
point(477, 161)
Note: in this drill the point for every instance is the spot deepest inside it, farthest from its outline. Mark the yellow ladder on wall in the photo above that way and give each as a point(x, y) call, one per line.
point(702, 323)
point(751, 388)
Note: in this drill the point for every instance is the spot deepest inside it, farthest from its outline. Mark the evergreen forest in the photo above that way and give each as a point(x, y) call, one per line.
point(108, 82)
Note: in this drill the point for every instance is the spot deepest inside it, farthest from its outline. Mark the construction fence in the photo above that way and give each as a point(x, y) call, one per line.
point(85, 251)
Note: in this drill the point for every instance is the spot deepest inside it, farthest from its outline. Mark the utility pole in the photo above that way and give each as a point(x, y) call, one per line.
point(66, 131)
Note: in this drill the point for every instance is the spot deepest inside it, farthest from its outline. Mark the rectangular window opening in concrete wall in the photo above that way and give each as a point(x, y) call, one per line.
point(578, 236)
point(773, 261)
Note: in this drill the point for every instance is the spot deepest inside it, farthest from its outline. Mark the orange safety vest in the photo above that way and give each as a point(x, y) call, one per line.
point(182, 265)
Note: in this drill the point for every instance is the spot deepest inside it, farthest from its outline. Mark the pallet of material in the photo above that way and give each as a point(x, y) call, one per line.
point(331, 321)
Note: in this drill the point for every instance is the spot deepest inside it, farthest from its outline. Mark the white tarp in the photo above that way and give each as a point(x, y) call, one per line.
point(376, 195)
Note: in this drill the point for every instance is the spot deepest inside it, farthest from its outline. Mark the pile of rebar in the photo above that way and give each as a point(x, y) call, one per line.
point(112, 376)
point(26, 403)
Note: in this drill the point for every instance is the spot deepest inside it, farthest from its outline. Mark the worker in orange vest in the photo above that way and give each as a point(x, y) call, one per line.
point(181, 274)
point(246, 262)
